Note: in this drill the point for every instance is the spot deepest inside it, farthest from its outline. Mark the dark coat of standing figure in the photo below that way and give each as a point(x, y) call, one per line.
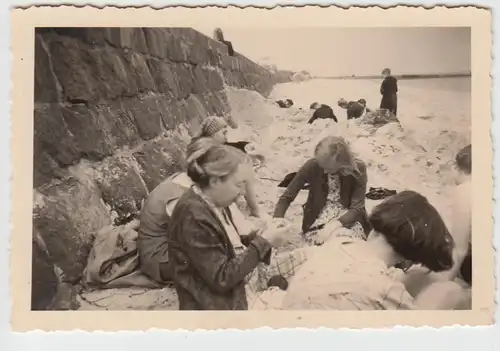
point(322, 112)
point(389, 91)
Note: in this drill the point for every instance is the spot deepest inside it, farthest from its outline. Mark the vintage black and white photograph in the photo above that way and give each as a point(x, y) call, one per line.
point(263, 168)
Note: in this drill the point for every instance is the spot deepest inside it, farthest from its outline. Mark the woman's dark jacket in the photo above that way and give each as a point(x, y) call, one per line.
point(208, 275)
point(352, 195)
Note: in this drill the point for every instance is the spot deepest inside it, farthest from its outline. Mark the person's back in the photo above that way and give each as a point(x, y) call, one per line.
point(152, 233)
point(322, 111)
point(355, 109)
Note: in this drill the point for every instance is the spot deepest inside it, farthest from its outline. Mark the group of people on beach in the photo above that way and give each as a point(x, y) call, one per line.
point(192, 233)
point(356, 109)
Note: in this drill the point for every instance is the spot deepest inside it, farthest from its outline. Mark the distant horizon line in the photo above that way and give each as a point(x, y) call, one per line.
point(400, 76)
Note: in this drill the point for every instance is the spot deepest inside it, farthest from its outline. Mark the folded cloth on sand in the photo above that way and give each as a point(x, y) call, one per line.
point(380, 193)
point(114, 260)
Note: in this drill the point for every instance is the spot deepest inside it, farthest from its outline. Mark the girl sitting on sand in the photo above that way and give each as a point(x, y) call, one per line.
point(337, 186)
point(346, 274)
point(217, 128)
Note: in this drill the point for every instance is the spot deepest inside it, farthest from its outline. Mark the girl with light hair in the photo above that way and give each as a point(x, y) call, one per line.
point(337, 186)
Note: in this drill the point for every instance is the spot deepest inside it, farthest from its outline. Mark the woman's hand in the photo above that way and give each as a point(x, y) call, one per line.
point(277, 232)
point(325, 233)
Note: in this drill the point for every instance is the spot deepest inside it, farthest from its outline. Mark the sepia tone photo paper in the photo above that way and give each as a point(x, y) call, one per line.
point(120, 222)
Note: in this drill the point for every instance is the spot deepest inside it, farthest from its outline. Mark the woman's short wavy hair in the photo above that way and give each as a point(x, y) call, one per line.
point(207, 159)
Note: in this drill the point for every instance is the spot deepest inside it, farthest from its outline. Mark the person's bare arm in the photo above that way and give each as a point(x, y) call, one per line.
point(461, 226)
point(251, 198)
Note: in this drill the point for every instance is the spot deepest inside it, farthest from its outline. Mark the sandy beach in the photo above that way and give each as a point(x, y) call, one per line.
point(435, 124)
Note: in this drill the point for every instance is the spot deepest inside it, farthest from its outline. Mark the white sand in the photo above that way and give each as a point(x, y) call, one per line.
point(434, 114)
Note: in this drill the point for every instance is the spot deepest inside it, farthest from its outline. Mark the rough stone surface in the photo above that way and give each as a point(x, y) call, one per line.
point(46, 89)
point(73, 73)
point(158, 160)
point(121, 185)
point(165, 80)
point(89, 130)
point(68, 218)
point(120, 103)
point(146, 113)
point(43, 279)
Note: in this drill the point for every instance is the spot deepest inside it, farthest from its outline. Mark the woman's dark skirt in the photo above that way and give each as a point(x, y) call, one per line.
point(390, 102)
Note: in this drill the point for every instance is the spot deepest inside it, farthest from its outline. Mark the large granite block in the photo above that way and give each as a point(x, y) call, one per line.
point(145, 111)
point(128, 38)
point(156, 40)
point(92, 36)
point(138, 68)
point(158, 160)
point(67, 216)
point(90, 132)
point(44, 281)
point(71, 66)
point(52, 135)
point(184, 78)
point(195, 109)
point(200, 85)
point(119, 75)
point(166, 81)
point(214, 79)
point(177, 50)
point(121, 185)
point(46, 89)
point(120, 123)
point(45, 168)
point(171, 112)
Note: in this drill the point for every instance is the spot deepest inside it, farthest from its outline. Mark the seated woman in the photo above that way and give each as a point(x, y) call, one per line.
point(209, 260)
point(347, 274)
point(217, 128)
point(153, 227)
point(417, 278)
point(337, 186)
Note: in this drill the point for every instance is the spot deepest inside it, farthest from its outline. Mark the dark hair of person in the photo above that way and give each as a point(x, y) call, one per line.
point(464, 159)
point(415, 230)
point(206, 159)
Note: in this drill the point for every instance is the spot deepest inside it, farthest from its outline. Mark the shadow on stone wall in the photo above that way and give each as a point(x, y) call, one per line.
point(114, 109)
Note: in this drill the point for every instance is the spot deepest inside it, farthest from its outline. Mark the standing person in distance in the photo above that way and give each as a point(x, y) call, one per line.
point(389, 92)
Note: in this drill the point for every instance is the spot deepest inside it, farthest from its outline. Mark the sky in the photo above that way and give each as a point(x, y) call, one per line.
point(360, 51)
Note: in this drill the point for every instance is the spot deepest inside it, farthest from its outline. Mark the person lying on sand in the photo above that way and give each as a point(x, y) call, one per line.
point(321, 111)
point(216, 128)
point(389, 92)
point(417, 278)
point(284, 103)
point(211, 261)
point(347, 274)
point(337, 186)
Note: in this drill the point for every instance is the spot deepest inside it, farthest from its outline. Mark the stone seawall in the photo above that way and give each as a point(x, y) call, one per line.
point(114, 109)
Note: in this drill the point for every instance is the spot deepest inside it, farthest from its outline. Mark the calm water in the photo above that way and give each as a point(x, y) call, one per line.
point(458, 84)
